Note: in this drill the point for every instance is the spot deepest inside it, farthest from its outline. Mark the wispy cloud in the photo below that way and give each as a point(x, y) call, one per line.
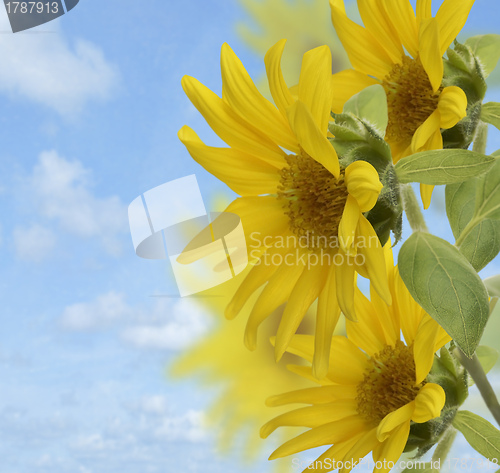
point(34, 243)
point(49, 70)
point(61, 189)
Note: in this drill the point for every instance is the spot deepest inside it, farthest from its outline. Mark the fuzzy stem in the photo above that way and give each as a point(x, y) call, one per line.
point(412, 209)
point(444, 446)
point(480, 138)
point(477, 373)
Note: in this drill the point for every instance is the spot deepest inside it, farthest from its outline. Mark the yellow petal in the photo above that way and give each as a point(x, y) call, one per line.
point(394, 419)
point(423, 348)
point(426, 194)
point(348, 224)
point(389, 451)
point(276, 292)
point(405, 23)
point(277, 85)
point(364, 51)
point(347, 362)
point(260, 216)
point(239, 91)
point(325, 434)
point(300, 345)
point(428, 403)
point(316, 395)
point(327, 316)
point(452, 106)
point(430, 54)
point(244, 174)
point(363, 183)
point(314, 143)
point(363, 446)
point(374, 258)
point(311, 416)
point(305, 292)
point(346, 84)
point(424, 10)
point(451, 16)
point(377, 22)
point(367, 332)
point(335, 454)
point(257, 276)
point(231, 128)
point(345, 281)
point(315, 85)
point(425, 133)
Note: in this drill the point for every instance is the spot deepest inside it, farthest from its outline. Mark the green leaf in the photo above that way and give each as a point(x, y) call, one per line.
point(482, 243)
point(487, 49)
point(488, 194)
point(444, 166)
point(370, 105)
point(460, 204)
point(444, 283)
point(481, 435)
point(487, 357)
point(473, 209)
point(492, 285)
point(490, 113)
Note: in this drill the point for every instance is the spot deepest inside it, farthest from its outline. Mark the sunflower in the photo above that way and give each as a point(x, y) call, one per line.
point(403, 51)
point(301, 211)
point(374, 390)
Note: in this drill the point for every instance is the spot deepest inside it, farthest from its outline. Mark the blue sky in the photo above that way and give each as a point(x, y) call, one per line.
point(91, 105)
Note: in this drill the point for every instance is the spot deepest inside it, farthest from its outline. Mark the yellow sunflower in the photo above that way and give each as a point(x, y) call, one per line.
point(301, 212)
point(374, 389)
point(403, 51)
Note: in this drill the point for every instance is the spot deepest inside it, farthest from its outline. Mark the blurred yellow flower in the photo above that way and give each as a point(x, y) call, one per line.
point(245, 379)
point(418, 105)
point(305, 23)
point(375, 387)
point(302, 214)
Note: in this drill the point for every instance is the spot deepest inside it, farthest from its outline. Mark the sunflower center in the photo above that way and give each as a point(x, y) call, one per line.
point(388, 384)
point(410, 99)
point(313, 199)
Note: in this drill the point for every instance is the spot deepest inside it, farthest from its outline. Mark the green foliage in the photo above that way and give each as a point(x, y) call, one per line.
point(486, 48)
point(473, 209)
point(487, 357)
point(370, 105)
point(422, 467)
point(444, 283)
point(446, 166)
point(492, 284)
point(481, 435)
point(490, 113)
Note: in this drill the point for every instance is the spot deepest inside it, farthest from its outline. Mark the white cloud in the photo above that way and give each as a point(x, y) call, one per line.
point(61, 189)
point(46, 69)
point(100, 313)
point(188, 427)
point(166, 325)
point(154, 405)
point(34, 243)
point(182, 324)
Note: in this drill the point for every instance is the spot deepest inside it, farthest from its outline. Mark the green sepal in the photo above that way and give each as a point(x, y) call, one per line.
point(448, 288)
point(463, 69)
point(443, 166)
point(355, 140)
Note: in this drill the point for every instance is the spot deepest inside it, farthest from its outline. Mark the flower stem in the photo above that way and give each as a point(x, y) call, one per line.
point(444, 446)
point(412, 209)
point(477, 373)
point(480, 138)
